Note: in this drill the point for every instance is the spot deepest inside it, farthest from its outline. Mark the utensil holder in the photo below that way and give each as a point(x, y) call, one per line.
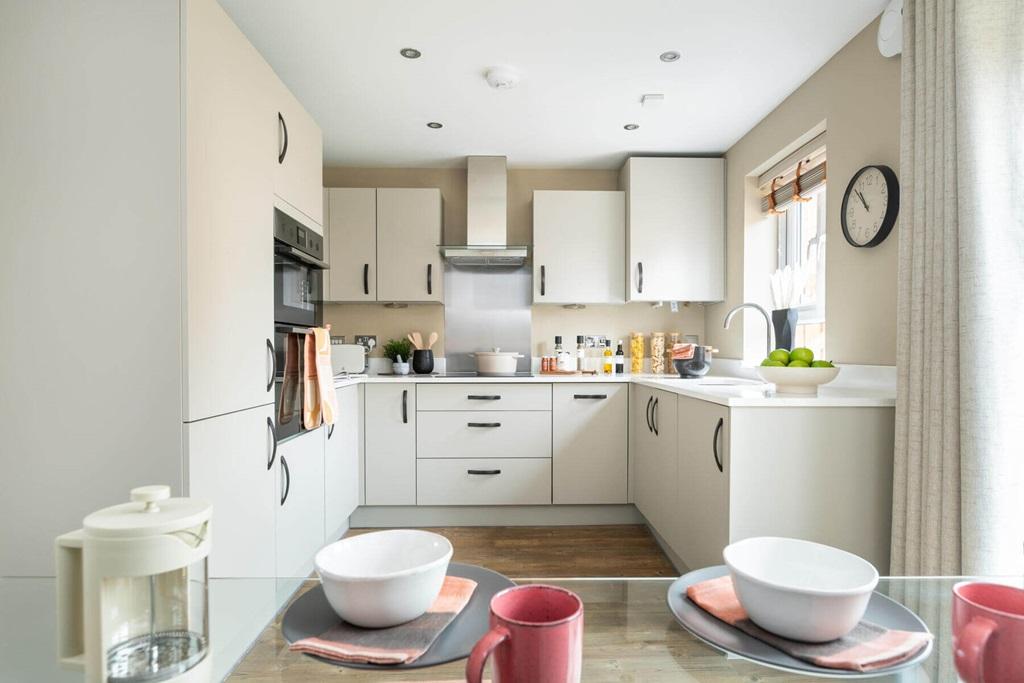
point(423, 361)
point(784, 321)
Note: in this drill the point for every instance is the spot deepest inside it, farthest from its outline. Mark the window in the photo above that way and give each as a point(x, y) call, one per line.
point(802, 248)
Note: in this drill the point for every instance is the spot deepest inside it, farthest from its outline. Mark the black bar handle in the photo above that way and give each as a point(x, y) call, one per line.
point(714, 443)
point(483, 424)
point(330, 431)
point(483, 471)
point(287, 479)
point(273, 438)
point(597, 396)
point(405, 406)
point(284, 148)
point(650, 400)
point(273, 364)
point(366, 278)
point(430, 278)
point(542, 278)
point(654, 417)
point(476, 397)
point(640, 272)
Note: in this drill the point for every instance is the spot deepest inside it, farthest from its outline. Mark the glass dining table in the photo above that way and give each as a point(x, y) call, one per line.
point(629, 635)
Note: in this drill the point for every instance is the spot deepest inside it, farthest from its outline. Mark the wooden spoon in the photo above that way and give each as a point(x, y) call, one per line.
point(432, 340)
point(412, 341)
point(418, 340)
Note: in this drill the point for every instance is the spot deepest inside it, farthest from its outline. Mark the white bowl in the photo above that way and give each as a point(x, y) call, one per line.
point(383, 578)
point(797, 380)
point(799, 589)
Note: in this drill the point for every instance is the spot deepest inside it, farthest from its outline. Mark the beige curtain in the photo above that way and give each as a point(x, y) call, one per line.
point(958, 499)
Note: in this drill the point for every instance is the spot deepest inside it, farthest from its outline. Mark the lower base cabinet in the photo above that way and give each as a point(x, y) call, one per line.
point(341, 462)
point(232, 465)
point(390, 443)
point(484, 481)
point(300, 510)
point(590, 443)
point(655, 467)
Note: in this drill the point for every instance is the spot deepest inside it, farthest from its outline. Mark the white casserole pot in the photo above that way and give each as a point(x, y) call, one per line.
point(496, 362)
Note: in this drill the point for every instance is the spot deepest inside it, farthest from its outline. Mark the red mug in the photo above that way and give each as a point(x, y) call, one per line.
point(988, 632)
point(536, 636)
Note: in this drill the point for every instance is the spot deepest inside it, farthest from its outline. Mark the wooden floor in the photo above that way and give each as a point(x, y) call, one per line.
point(558, 551)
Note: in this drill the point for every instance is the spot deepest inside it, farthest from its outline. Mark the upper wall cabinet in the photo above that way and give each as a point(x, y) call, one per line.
point(578, 243)
point(299, 160)
point(675, 229)
point(403, 225)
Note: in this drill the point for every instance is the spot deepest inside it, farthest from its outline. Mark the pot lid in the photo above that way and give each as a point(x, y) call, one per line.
point(151, 512)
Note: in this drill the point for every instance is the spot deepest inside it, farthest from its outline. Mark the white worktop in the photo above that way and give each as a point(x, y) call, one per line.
point(745, 393)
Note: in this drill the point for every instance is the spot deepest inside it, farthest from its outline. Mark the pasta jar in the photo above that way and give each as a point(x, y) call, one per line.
point(636, 352)
point(658, 353)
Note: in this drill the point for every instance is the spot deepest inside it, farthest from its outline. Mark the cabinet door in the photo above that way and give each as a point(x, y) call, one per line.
point(675, 229)
point(298, 158)
point(341, 463)
point(409, 232)
point(352, 244)
point(390, 460)
point(229, 258)
point(703, 482)
point(300, 503)
point(642, 442)
point(589, 456)
point(231, 465)
point(578, 238)
point(664, 482)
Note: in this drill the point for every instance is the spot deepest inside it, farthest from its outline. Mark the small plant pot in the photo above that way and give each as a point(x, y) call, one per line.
point(400, 368)
point(423, 361)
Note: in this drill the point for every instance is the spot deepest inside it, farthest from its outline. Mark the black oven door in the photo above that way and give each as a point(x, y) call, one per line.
point(289, 344)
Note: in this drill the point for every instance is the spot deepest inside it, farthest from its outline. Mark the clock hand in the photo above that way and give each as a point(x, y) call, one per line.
point(866, 207)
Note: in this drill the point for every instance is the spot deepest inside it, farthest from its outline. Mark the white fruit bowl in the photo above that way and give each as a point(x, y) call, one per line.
point(799, 589)
point(797, 380)
point(383, 578)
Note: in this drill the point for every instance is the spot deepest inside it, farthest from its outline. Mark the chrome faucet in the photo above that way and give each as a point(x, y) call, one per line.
point(767, 324)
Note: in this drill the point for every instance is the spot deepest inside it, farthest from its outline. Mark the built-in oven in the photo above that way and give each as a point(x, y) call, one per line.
point(298, 271)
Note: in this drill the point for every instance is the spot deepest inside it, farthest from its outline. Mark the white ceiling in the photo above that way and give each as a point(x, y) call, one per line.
point(585, 64)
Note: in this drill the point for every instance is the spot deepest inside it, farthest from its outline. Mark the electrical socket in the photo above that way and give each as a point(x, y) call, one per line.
point(369, 341)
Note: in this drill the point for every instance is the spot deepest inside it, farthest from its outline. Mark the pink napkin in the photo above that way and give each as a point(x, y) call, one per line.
point(867, 647)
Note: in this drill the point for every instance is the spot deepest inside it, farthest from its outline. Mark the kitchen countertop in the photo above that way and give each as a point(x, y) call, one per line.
point(727, 391)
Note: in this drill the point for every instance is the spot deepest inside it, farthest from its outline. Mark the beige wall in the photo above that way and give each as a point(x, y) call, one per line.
point(857, 95)
point(614, 321)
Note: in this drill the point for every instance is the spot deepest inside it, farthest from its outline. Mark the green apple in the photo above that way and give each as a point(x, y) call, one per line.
point(798, 364)
point(822, 364)
point(781, 355)
point(802, 354)
point(769, 363)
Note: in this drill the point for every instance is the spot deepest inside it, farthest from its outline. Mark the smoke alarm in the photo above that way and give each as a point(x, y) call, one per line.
point(502, 77)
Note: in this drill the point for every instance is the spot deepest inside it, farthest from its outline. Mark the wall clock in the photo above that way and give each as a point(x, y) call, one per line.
point(870, 206)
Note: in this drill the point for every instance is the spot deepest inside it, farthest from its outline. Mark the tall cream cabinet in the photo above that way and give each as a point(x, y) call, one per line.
point(299, 521)
point(342, 464)
point(164, 245)
point(578, 242)
point(401, 225)
point(675, 228)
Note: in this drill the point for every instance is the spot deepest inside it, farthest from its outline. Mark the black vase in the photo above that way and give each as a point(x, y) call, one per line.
point(784, 321)
point(423, 361)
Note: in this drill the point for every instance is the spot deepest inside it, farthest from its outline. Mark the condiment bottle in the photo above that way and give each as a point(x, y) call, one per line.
point(609, 361)
point(620, 360)
point(581, 353)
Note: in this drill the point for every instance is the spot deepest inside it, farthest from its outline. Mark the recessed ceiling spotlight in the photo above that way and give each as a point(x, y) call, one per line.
point(631, 126)
point(435, 125)
point(410, 53)
point(670, 56)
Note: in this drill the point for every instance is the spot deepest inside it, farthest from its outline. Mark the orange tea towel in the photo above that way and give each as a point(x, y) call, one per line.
point(395, 645)
point(682, 351)
point(867, 647)
point(325, 374)
point(311, 416)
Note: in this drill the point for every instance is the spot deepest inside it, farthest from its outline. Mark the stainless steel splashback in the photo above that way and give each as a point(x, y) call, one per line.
point(484, 308)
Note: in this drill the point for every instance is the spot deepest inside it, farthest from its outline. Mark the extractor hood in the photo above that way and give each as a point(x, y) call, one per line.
point(486, 218)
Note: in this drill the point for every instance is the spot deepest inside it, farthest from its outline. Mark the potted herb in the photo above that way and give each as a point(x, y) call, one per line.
point(398, 350)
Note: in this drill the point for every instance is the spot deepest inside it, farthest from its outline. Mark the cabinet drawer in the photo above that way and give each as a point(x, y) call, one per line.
point(484, 481)
point(484, 434)
point(484, 397)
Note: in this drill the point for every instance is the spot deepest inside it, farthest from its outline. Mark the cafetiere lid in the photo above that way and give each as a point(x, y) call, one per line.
point(151, 512)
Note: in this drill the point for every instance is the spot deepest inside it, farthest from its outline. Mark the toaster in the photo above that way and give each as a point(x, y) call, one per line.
point(348, 358)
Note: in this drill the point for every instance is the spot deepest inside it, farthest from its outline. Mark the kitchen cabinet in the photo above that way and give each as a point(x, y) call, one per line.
point(578, 241)
point(408, 233)
point(656, 464)
point(703, 483)
point(298, 159)
point(480, 396)
point(351, 249)
point(483, 434)
point(300, 505)
point(484, 481)
point(341, 462)
point(229, 258)
point(390, 419)
point(675, 228)
point(231, 464)
point(589, 443)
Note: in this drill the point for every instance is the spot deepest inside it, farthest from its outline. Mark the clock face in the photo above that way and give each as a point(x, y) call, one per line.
point(870, 206)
